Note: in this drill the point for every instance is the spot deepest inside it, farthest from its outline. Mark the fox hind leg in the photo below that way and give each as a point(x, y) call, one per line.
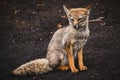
point(53, 58)
point(63, 68)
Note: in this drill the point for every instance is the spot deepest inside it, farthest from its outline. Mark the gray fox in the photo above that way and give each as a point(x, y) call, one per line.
point(65, 45)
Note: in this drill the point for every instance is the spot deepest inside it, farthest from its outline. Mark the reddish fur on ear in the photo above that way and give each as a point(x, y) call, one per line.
point(89, 6)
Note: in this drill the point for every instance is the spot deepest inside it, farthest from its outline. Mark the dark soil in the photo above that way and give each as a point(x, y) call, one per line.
point(26, 27)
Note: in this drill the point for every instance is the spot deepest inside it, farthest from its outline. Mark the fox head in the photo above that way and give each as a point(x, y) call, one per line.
point(78, 17)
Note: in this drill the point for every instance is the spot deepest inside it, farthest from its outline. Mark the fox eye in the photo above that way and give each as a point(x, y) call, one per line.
point(79, 19)
point(72, 19)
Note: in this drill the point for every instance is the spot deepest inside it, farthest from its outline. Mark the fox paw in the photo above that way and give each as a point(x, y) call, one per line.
point(82, 68)
point(74, 70)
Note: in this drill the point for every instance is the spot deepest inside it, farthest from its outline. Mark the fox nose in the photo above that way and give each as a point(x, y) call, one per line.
point(76, 26)
point(75, 22)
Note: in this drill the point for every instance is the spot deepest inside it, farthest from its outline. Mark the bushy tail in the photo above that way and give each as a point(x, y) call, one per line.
point(38, 66)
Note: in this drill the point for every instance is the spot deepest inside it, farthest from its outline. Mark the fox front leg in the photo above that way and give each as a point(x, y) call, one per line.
point(71, 59)
point(80, 60)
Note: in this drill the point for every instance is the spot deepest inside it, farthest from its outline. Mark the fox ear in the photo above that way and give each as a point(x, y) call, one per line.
point(89, 8)
point(65, 9)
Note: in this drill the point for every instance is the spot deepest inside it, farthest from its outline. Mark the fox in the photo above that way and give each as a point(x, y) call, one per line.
point(66, 44)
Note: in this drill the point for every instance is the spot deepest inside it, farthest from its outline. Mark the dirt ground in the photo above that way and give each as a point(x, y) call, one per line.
point(26, 27)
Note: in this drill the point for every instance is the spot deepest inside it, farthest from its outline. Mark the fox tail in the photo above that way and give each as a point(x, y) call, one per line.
point(38, 66)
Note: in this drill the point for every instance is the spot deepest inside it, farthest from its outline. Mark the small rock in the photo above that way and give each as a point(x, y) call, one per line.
point(88, 74)
point(92, 76)
point(33, 12)
point(39, 53)
point(37, 29)
point(64, 16)
point(41, 39)
point(40, 4)
point(97, 4)
point(34, 77)
point(31, 28)
point(23, 22)
point(59, 25)
point(16, 11)
point(60, 10)
point(13, 41)
point(103, 24)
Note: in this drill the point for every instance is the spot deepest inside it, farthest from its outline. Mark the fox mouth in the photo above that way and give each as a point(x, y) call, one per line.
point(77, 26)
